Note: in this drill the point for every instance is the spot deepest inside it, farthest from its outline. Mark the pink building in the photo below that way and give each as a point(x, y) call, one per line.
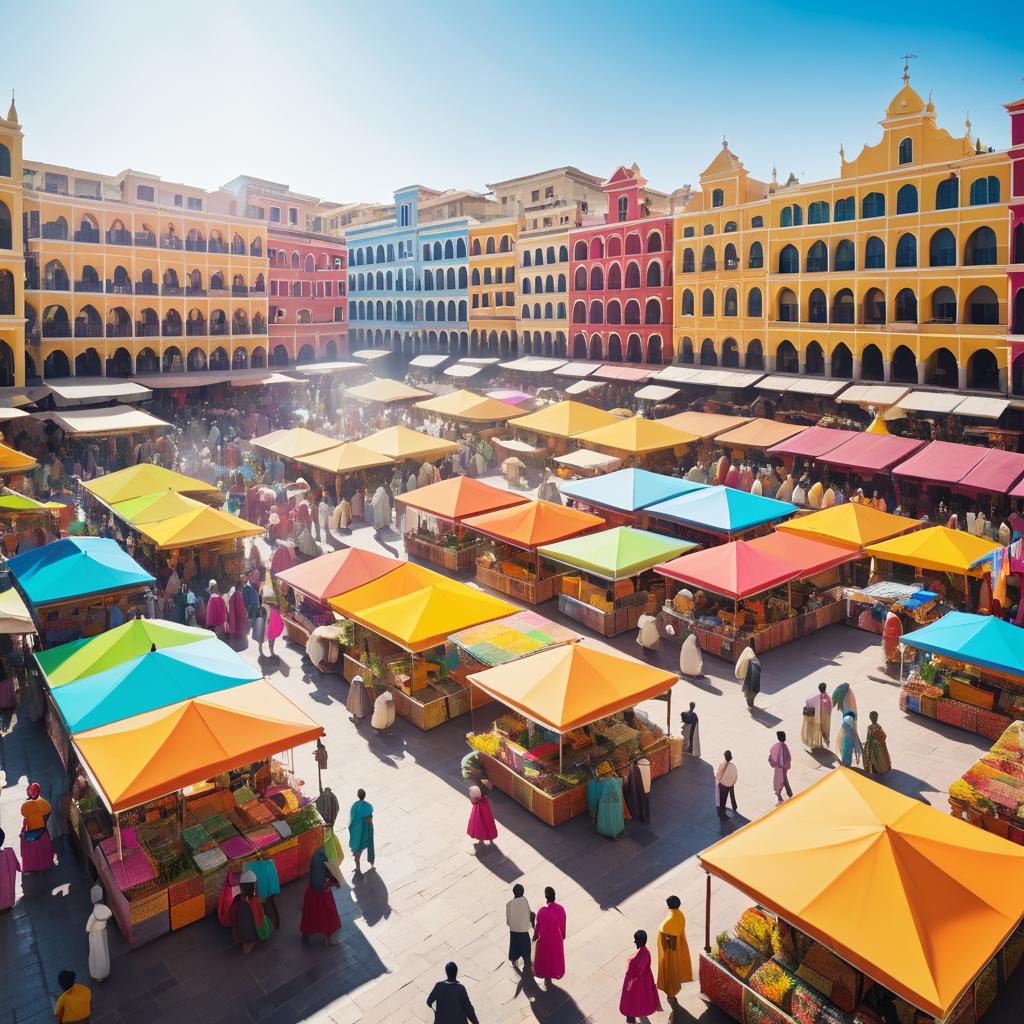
point(620, 281)
point(1016, 272)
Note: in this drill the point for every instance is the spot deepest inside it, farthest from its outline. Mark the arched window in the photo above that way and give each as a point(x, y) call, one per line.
point(623, 208)
point(596, 279)
point(688, 264)
point(707, 258)
point(906, 306)
point(982, 306)
point(652, 312)
point(985, 190)
point(632, 314)
point(817, 258)
point(633, 244)
point(614, 277)
point(614, 246)
point(718, 197)
point(845, 209)
point(786, 217)
point(754, 358)
point(874, 254)
point(944, 305)
point(754, 302)
point(980, 250)
point(845, 257)
point(707, 303)
point(905, 153)
point(873, 205)
point(817, 213)
point(755, 259)
point(579, 312)
point(730, 261)
point(874, 306)
point(947, 195)
point(817, 307)
point(906, 251)
point(579, 250)
point(730, 227)
point(686, 309)
point(789, 260)
point(613, 313)
point(843, 307)
point(596, 248)
point(579, 281)
point(474, 278)
point(789, 311)
point(708, 355)
point(596, 312)
point(654, 274)
point(5, 162)
point(786, 358)
point(814, 359)
point(942, 249)
point(906, 198)
point(730, 303)
point(633, 275)
point(654, 241)
point(709, 229)
point(476, 247)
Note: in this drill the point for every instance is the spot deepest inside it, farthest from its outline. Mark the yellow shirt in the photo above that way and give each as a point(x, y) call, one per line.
point(74, 1004)
point(34, 812)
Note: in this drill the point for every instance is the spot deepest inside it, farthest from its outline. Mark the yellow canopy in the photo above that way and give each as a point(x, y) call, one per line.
point(402, 443)
point(851, 525)
point(914, 898)
point(938, 548)
point(153, 508)
point(406, 579)
point(384, 390)
point(346, 458)
point(570, 686)
point(145, 478)
point(637, 435)
point(295, 442)
point(877, 426)
point(14, 462)
point(201, 525)
point(465, 405)
point(565, 419)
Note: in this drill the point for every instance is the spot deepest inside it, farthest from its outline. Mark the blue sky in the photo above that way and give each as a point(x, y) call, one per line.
point(349, 100)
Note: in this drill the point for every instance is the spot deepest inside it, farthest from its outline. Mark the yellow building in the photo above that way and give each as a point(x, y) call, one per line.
point(12, 259)
point(895, 270)
point(492, 288)
point(542, 297)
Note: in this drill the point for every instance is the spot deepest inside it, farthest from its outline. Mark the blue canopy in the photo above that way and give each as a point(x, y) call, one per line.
point(75, 567)
point(628, 490)
point(975, 639)
point(722, 510)
point(150, 681)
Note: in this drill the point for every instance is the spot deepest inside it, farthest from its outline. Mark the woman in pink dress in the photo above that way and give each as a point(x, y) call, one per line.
point(639, 993)
point(275, 627)
point(549, 931)
point(238, 617)
point(216, 610)
point(9, 867)
point(481, 818)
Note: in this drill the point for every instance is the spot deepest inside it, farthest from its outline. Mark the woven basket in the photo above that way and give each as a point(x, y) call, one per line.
point(150, 929)
point(185, 889)
point(193, 909)
point(148, 906)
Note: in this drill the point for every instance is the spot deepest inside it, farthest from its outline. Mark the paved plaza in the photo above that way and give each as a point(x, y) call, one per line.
point(433, 896)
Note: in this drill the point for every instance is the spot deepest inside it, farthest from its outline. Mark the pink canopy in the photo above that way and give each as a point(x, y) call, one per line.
point(941, 462)
point(511, 396)
point(736, 570)
point(813, 442)
point(808, 556)
point(870, 454)
point(997, 472)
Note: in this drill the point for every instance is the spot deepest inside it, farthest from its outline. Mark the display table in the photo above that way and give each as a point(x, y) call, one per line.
point(990, 794)
point(529, 591)
point(455, 559)
point(623, 617)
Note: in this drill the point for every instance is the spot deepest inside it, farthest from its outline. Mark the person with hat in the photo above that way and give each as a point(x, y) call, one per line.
point(249, 922)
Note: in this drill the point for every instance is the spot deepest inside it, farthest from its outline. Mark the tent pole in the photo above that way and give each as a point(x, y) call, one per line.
point(117, 829)
point(560, 739)
point(668, 713)
point(707, 916)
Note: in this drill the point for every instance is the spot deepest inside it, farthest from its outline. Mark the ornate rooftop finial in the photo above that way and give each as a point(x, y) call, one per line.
point(12, 114)
point(907, 58)
point(842, 152)
point(725, 144)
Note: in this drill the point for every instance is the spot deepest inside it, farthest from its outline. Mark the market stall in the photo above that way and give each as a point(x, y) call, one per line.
point(622, 498)
point(870, 456)
point(402, 622)
point(469, 407)
point(384, 391)
point(71, 584)
point(776, 588)
point(343, 460)
point(969, 672)
point(937, 932)
point(434, 516)
point(21, 516)
point(401, 443)
point(293, 443)
point(704, 425)
point(586, 463)
point(718, 514)
point(757, 435)
point(810, 444)
point(990, 794)
point(12, 462)
point(555, 424)
point(613, 584)
point(145, 479)
point(573, 725)
point(511, 564)
point(171, 805)
point(638, 440)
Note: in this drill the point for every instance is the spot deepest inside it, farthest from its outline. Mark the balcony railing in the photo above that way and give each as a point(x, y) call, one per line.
point(55, 232)
point(171, 330)
point(218, 329)
point(119, 330)
point(218, 291)
point(89, 286)
point(259, 328)
point(237, 250)
point(145, 238)
point(170, 289)
point(88, 330)
point(194, 328)
point(56, 330)
point(221, 247)
point(195, 245)
point(119, 238)
point(237, 289)
point(146, 288)
point(842, 315)
point(789, 312)
point(170, 242)
point(191, 290)
point(143, 330)
point(90, 235)
point(119, 288)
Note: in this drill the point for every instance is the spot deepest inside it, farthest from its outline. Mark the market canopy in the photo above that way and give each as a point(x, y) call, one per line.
point(96, 389)
point(501, 640)
point(941, 462)
point(586, 461)
point(813, 442)
point(997, 473)
point(870, 454)
point(975, 639)
point(149, 681)
point(14, 462)
point(759, 433)
point(938, 548)
point(200, 525)
point(636, 435)
point(72, 661)
point(335, 573)
point(402, 443)
point(529, 525)
point(159, 752)
point(628, 490)
point(704, 424)
point(853, 524)
point(15, 618)
point(153, 508)
point(385, 391)
point(75, 567)
point(121, 419)
point(565, 419)
point(145, 478)
point(459, 497)
point(807, 556)
point(466, 405)
point(735, 570)
point(20, 503)
point(346, 458)
point(510, 395)
point(723, 510)
point(405, 578)
point(617, 553)
point(294, 442)
point(916, 899)
point(566, 687)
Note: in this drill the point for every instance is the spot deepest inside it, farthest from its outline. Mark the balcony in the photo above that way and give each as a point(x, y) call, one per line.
point(221, 247)
point(171, 289)
point(119, 238)
point(145, 238)
point(197, 292)
point(259, 329)
point(195, 245)
point(789, 312)
point(119, 288)
point(171, 242)
point(55, 232)
point(237, 289)
point(171, 330)
point(96, 287)
point(146, 288)
point(90, 235)
point(195, 329)
point(56, 330)
point(238, 250)
point(143, 330)
point(218, 330)
point(88, 331)
point(257, 290)
point(218, 291)
point(32, 282)
point(119, 330)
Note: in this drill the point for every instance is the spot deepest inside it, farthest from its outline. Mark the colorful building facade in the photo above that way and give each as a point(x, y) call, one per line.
point(12, 255)
point(492, 287)
point(1016, 270)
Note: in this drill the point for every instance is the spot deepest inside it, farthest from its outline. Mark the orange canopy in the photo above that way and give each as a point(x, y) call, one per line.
point(566, 687)
point(914, 898)
point(407, 578)
point(703, 424)
point(12, 461)
point(150, 755)
point(532, 524)
point(807, 555)
point(458, 497)
point(335, 573)
point(759, 433)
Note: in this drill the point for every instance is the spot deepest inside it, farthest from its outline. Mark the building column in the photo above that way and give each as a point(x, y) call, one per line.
point(856, 368)
point(1004, 380)
point(887, 370)
point(801, 365)
point(922, 372)
point(962, 377)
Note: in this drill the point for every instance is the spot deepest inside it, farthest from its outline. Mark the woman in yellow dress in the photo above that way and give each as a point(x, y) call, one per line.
point(674, 965)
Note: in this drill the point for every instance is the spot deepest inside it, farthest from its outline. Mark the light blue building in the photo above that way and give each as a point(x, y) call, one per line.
point(408, 278)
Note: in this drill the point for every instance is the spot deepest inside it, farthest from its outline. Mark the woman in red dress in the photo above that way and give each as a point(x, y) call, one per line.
point(319, 913)
point(481, 826)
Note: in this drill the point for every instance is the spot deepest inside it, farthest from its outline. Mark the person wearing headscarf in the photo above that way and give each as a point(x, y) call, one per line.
point(96, 929)
point(216, 610)
point(238, 614)
point(319, 912)
point(639, 996)
point(360, 830)
point(843, 699)
point(816, 723)
point(781, 760)
point(674, 965)
point(610, 819)
point(381, 506)
point(36, 845)
point(249, 923)
point(549, 933)
point(481, 827)
point(358, 702)
point(383, 711)
point(636, 795)
point(748, 672)
point(848, 745)
point(691, 730)
point(647, 635)
point(691, 661)
point(876, 750)
point(9, 867)
point(892, 630)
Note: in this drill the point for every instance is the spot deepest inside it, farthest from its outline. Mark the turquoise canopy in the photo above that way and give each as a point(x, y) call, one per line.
point(75, 567)
point(722, 510)
point(628, 490)
point(153, 680)
point(975, 639)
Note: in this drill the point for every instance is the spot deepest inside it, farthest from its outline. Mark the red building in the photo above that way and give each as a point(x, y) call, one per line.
point(620, 281)
point(1016, 272)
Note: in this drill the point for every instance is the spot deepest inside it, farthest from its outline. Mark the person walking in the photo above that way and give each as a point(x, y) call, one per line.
point(9, 867)
point(843, 699)
point(360, 830)
point(781, 760)
point(319, 911)
point(816, 728)
point(639, 995)
point(674, 966)
point(848, 745)
point(36, 845)
point(876, 750)
point(449, 999)
point(358, 701)
point(647, 635)
point(96, 929)
point(549, 931)
point(726, 778)
point(691, 661)
point(481, 825)
point(691, 731)
point(520, 920)
point(75, 1003)
point(249, 922)
point(748, 672)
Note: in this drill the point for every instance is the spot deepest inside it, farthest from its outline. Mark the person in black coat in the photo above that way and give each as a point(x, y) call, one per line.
point(450, 1001)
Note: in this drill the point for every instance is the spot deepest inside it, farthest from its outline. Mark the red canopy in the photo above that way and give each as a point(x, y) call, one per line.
point(813, 442)
point(941, 462)
point(807, 555)
point(337, 573)
point(870, 454)
point(737, 570)
point(997, 472)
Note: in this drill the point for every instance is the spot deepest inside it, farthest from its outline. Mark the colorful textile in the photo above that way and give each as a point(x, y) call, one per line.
point(549, 959)
point(639, 995)
point(482, 826)
point(674, 965)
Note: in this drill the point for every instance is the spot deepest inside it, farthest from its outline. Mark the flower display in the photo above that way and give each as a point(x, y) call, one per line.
point(757, 928)
point(774, 982)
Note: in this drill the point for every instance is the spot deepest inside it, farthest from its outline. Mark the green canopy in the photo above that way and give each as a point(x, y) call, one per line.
point(617, 553)
point(80, 658)
point(21, 503)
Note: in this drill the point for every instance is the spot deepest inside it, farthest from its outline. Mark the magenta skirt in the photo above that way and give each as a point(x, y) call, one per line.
point(36, 854)
point(481, 821)
point(319, 913)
